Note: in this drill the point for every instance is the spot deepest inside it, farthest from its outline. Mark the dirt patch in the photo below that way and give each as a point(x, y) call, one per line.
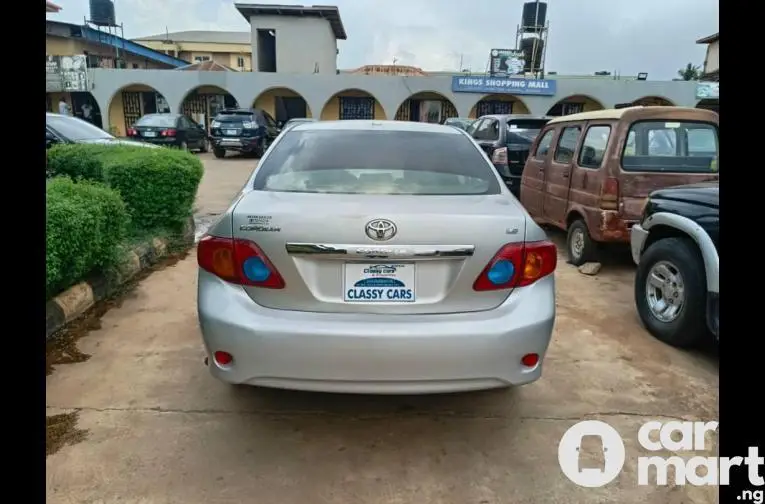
point(62, 347)
point(61, 430)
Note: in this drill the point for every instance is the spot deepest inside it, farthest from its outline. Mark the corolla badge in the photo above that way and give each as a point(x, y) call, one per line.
point(380, 229)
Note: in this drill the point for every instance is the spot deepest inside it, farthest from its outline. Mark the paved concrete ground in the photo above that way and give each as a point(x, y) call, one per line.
point(161, 430)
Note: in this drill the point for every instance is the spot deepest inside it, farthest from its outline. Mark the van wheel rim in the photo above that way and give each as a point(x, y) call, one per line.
point(665, 291)
point(577, 243)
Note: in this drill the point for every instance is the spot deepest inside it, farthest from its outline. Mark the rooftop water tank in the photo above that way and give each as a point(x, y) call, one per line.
point(533, 20)
point(102, 13)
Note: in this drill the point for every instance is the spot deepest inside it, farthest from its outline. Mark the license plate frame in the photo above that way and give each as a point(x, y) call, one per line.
point(379, 283)
point(150, 134)
point(231, 132)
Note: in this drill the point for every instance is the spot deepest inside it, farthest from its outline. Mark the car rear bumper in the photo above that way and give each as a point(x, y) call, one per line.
point(366, 353)
point(241, 144)
point(638, 236)
point(159, 141)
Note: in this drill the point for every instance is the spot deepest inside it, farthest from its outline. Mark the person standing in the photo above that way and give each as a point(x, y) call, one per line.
point(87, 112)
point(63, 107)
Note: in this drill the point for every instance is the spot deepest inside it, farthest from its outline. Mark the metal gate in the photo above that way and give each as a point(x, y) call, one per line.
point(487, 107)
point(131, 106)
point(409, 110)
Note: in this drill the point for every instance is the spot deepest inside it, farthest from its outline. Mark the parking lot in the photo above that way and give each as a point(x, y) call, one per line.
point(156, 427)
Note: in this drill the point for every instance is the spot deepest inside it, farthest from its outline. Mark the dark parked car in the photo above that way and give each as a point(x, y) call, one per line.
point(170, 130)
point(249, 131)
point(676, 248)
point(458, 122)
point(67, 129)
point(506, 139)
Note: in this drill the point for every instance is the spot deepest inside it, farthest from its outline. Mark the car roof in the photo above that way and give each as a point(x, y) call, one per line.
point(375, 125)
point(507, 117)
point(632, 113)
point(239, 111)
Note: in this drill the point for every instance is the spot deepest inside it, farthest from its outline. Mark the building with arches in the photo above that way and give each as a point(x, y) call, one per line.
point(294, 62)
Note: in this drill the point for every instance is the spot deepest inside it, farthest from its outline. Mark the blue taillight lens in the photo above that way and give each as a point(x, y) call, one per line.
point(255, 270)
point(501, 272)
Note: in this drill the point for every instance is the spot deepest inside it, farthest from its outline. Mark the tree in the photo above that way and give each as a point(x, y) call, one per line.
point(690, 72)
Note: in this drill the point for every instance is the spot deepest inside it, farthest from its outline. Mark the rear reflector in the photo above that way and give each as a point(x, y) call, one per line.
point(530, 360)
point(518, 265)
point(223, 358)
point(238, 261)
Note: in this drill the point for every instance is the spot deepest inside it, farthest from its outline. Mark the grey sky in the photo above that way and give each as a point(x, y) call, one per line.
point(654, 36)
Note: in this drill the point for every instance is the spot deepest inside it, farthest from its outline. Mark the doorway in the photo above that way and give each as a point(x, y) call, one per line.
point(289, 107)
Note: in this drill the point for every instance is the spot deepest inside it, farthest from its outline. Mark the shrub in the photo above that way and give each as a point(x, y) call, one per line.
point(76, 161)
point(157, 185)
point(86, 222)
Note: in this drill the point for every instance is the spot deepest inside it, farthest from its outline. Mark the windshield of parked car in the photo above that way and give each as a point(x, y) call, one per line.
point(671, 146)
point(74, 129)
point(376, 162)
point(157, 120)
point(524, 131)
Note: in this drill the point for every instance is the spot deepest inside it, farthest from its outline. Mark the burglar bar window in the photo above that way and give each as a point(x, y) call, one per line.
point(357, 108)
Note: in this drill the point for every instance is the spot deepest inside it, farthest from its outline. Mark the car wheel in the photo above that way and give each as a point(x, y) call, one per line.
point(219, 153)
point(670, 292)
point(579, 245)
point(260, 149)
point(205, 146)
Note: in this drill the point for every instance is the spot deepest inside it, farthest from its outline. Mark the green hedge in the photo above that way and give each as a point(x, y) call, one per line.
point(157, 185)
point(86, 222)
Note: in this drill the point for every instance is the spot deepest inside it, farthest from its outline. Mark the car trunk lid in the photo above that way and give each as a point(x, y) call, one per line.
point(320, 246)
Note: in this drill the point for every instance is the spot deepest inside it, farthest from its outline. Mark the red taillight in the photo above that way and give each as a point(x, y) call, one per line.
point(530, 360)
point(499, 156)
point(518, 265)
point(609, 195)
point(238, 261)
point(223, 358)
point(131, 132)
point(168, 133)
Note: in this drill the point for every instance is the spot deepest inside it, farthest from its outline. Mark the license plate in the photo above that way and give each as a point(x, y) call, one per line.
point(230, 132)
point(230, 141)
point(379, 283)
point(149, 134)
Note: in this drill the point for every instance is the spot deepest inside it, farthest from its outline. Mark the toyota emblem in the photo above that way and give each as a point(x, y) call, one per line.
point(381, 229)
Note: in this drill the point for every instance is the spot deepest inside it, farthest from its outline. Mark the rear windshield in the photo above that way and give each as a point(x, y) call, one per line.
point(524, 131)
point(671, 146)
point(376, 162)
point(158, 120)
point(235, 117)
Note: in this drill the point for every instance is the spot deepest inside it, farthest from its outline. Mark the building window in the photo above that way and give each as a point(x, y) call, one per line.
point(240, 62)
point(170, 53)
point(135, 65)
point(199, 59)
point(489, 107)
point(357, 108)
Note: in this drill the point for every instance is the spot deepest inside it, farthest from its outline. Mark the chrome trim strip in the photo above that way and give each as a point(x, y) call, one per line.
point(380, 251)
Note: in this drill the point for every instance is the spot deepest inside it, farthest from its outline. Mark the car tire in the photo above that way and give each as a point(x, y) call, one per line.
point(675, 260)
point(579, 246)
point(205, 147)
point(258, 151)
point(219, 153)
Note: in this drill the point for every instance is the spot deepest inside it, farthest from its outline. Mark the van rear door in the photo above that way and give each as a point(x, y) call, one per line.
point(662, 153)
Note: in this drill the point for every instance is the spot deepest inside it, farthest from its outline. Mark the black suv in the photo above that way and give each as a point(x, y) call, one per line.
point(506, 139)
point(249, 131)
point(675, 245)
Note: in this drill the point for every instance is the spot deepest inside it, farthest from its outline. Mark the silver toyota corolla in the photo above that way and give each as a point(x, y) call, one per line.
point(376, 257)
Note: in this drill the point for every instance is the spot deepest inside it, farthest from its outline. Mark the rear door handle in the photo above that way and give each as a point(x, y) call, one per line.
point(565, 175)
